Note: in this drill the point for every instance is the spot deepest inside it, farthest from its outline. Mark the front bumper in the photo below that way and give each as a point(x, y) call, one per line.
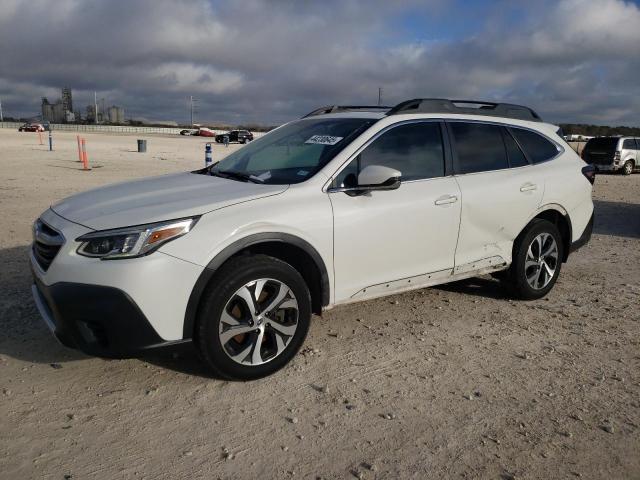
point(111, 307)
point(102, 321)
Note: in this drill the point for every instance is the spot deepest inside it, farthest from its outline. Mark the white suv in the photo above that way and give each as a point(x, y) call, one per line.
point(341, 206)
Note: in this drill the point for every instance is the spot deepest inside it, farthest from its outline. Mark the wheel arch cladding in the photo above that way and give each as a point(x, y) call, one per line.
point(563, 223)
point(291, 249)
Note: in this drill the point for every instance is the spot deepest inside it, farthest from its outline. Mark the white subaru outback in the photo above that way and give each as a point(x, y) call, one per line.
point(343, 205)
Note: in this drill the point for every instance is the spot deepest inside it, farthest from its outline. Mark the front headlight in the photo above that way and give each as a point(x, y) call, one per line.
point(132, 242)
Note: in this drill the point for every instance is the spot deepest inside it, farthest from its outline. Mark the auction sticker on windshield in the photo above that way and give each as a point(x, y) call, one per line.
point(323, 140)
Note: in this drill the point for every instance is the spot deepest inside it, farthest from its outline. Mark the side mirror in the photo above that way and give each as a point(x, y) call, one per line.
point(373, 177)
point(377, 177)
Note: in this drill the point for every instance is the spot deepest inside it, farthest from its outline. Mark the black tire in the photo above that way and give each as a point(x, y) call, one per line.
point(515, 279)
point(627, 169)
point(233, 276)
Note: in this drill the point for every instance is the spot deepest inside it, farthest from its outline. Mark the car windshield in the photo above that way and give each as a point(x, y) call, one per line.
point(292, 153)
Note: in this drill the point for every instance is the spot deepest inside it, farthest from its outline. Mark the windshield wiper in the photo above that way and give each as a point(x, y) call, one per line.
point(243, 177)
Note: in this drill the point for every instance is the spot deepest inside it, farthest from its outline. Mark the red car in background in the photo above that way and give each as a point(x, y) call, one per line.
point(31, 127)
point(205, 132)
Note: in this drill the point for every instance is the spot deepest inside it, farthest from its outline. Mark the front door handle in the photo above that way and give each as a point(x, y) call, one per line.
point(446, 199)
point(528, 187)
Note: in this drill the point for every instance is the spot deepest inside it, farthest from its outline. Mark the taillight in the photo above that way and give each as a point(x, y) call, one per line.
point(616, 157)
point(589, 171)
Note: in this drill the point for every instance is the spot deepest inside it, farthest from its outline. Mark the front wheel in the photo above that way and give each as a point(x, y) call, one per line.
point(537, 259)
point(254, 317)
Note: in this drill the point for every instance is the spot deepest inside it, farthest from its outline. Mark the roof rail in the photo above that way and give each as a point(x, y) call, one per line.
point(346, 108)
point(468, 107)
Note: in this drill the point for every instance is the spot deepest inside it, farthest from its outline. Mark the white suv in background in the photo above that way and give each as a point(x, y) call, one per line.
point(344, 205)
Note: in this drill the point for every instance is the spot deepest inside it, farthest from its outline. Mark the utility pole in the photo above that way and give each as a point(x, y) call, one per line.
point(379, 96)
point(191, 108)
point(95, 106)
point(1, 117)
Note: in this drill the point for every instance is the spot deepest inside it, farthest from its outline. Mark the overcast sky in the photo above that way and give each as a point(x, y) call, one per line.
point(271, 61)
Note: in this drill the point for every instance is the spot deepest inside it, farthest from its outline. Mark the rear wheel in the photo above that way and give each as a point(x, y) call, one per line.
point(254, 318)
point(537, 259)
point(628, 168)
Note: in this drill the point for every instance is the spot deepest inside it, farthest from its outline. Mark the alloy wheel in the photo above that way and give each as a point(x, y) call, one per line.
point(541, 261)
point(258, 322)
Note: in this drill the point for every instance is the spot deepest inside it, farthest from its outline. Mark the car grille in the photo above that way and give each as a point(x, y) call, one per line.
point(46, 243)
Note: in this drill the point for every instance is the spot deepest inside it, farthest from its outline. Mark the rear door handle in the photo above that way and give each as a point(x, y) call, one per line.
point(446, 199)
point(528, 187)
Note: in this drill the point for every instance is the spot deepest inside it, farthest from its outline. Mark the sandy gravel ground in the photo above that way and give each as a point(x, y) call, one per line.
point(449, 382)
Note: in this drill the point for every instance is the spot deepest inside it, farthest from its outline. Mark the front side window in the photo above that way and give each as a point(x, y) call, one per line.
point(415, 149)
point(292, 153)
point(479, 147)
point(537, 148)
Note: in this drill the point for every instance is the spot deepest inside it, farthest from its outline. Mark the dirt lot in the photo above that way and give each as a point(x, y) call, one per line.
point(449, 382)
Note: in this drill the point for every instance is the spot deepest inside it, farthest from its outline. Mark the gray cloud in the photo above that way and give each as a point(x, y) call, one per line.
point(268, 62)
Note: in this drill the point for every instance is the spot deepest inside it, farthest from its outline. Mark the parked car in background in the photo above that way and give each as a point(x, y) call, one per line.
point(189, 131)
point(613, 154)
point(205, 132)
point(341, 206)
point(31, 127)
point(240, 136)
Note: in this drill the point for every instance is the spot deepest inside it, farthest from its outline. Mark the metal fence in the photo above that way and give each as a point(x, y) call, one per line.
point(70, 127)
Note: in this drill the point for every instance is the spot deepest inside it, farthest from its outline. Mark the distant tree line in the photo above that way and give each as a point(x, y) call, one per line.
point(598, 130)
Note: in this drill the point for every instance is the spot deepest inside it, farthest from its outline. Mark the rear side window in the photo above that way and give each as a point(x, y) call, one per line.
point(537, 148)
point(479, 147)
point(629, 144)
point(516, 157)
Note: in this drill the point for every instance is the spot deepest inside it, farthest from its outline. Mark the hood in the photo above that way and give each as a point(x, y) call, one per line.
point(158, 198)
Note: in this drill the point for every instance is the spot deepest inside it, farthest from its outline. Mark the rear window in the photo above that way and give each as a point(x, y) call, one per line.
point(602, 144)
point(629, 144)
point(536, 147)
point(479, 147)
